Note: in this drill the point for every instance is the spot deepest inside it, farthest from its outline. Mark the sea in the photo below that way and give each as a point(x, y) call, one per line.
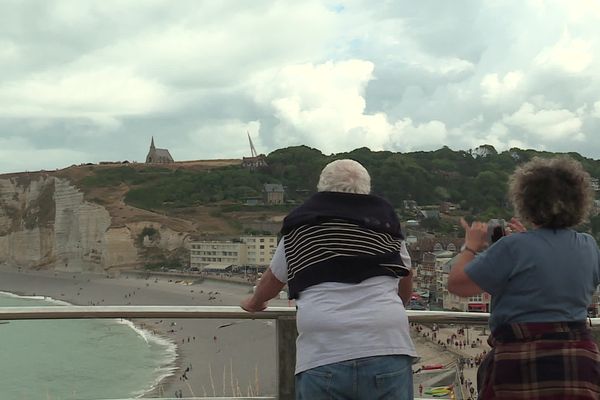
point(78, 359)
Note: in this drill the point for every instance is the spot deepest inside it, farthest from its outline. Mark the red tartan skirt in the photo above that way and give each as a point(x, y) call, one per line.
point(541, 361)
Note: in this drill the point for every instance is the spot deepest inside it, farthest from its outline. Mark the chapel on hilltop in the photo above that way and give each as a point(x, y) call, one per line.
point(158, 156)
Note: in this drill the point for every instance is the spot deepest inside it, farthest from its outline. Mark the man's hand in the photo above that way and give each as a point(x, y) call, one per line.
point(267, 288)
point(252, 306)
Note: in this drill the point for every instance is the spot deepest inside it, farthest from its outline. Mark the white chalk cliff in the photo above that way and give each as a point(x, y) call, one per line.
point(46, 222)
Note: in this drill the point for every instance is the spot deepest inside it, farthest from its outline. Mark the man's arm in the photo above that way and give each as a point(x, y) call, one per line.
point(268, 287)
point(405, 287)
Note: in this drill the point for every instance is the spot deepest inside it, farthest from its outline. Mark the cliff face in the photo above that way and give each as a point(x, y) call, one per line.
point(45, 222)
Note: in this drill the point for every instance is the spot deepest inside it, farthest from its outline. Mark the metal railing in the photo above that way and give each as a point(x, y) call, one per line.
point(284, 317)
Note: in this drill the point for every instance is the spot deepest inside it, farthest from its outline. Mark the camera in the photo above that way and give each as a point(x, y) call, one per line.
point(496, 229)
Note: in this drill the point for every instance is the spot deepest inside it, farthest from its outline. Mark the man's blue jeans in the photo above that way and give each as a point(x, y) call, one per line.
point(370, 378)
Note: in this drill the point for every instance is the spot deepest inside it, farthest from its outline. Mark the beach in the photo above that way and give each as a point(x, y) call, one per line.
point(222, 357)
point(214, 357)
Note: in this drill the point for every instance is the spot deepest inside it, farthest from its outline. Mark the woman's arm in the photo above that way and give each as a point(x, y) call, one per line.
point(459, 282)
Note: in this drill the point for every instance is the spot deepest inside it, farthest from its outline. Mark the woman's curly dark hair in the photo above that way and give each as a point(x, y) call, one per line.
point(551, 192)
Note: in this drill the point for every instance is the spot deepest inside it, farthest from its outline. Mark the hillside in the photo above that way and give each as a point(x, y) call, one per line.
point(476, 181)
point(133, 214)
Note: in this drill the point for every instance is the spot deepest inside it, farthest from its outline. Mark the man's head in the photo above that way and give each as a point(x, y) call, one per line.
point(346, 176)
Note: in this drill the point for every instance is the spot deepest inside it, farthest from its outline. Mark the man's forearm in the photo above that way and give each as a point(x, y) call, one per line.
point(268, 287)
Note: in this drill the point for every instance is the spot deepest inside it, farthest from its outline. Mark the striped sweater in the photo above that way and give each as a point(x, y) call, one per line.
point(328, 246)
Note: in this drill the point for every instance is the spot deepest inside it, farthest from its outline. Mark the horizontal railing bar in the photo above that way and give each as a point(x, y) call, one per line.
point(204, 398)
point(213, 312)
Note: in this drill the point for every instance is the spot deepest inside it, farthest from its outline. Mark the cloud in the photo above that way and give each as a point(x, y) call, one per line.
point(220, 139)
point(573, 55)
point(495, 87)
point(16, 154)
point(408, 136)
point(323, 105)
point(97, 79)
point(57, 94)
point(547, 124)
point(596, 111)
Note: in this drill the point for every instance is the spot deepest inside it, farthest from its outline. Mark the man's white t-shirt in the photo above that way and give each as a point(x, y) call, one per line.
point(341, 321)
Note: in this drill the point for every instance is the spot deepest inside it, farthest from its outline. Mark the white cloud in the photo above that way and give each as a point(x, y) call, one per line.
point(324, 105)
point(387, 75)
point(408, 136)
point(546, 124)
point(573, 55)
point(97, 94)
point(495, 87)
point(596, 110)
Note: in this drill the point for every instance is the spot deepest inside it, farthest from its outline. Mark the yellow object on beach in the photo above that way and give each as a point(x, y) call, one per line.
point(439, 391)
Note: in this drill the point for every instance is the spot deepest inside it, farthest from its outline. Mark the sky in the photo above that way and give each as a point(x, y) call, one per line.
point(89, 81)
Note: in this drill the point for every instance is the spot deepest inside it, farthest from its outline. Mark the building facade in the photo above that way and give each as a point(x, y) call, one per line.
point(205, 253)
point(273, 193)
point(260, 249)
point(256, 251)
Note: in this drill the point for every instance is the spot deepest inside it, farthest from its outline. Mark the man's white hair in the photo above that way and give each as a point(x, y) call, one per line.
point(347, 176)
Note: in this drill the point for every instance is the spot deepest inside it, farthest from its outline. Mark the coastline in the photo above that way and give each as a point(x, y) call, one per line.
point(217, 357)
point(217, 361)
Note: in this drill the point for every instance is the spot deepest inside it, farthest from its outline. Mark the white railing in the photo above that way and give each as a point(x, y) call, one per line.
point(284, 317)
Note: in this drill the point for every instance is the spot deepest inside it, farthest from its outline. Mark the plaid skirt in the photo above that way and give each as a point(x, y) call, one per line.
point(541, 361)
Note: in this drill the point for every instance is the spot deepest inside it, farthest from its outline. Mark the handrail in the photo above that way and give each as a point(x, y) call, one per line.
point(214, 312)
point(284, 317)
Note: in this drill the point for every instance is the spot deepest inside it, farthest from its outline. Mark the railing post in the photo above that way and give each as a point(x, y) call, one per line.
point(286, 357)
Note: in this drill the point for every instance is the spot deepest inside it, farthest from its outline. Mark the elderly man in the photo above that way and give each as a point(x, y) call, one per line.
point(346, 265)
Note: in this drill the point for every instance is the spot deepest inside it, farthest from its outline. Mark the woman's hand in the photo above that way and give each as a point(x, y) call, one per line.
point(476, 235)
point(515, 226)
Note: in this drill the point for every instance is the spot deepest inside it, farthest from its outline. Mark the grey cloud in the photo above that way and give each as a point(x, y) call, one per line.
point(90, 81)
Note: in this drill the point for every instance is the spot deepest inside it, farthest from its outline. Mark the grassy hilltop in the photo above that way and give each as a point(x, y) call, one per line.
point(207, 197)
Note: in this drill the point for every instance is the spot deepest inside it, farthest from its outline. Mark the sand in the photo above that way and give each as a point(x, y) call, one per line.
point(246, 347)
point(236, 359)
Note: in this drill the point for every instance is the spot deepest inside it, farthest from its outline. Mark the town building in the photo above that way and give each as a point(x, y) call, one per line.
point(158, 156)
point(255, 251)
point(214, 254)
point(260, 248)
point(273, 193)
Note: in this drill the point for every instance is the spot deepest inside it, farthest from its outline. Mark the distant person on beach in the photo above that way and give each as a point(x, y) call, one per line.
point(541, 282)
point(345, 262)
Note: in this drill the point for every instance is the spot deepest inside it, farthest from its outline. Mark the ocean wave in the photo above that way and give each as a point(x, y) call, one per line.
point(36, 297)
point(168, 367)
point(168, 348)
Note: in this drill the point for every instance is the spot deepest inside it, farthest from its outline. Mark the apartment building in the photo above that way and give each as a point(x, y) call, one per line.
point(260, 248)
point(204, 253)
point(248, 251)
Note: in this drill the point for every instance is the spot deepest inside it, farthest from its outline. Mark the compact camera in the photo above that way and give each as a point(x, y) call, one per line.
point(496, 229)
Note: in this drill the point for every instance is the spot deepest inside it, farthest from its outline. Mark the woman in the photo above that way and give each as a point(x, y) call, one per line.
point(541, 282)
